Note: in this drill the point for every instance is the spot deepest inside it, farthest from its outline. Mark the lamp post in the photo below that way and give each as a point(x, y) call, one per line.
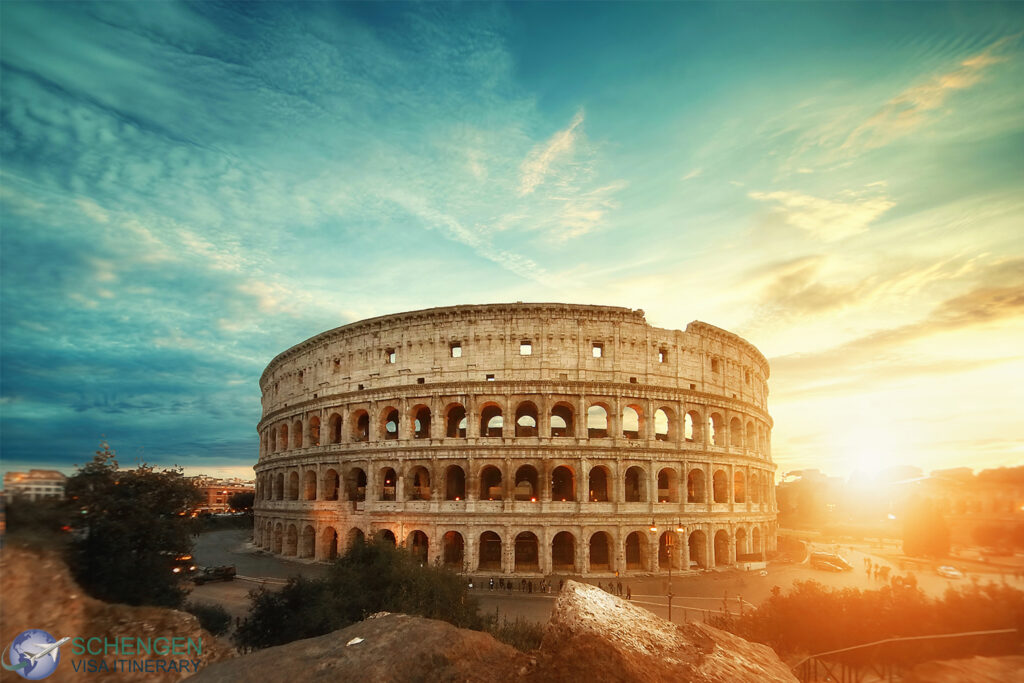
point(669, 542)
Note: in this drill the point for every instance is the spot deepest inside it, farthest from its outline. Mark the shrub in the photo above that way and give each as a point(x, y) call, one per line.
point(213, 618)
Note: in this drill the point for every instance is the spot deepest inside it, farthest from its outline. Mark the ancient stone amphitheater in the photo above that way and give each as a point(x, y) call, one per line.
point(522, 439)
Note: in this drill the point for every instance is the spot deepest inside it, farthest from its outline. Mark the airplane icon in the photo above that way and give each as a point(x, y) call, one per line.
point(51, 649)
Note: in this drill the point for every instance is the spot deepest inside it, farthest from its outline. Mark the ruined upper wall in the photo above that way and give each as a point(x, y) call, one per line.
point(562, 338)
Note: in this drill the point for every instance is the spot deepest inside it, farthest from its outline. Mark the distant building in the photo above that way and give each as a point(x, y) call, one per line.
point(34, 485)
point(217, 492)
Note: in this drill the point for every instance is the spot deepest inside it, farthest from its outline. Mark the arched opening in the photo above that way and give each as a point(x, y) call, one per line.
point(636, 551)
point(526, 419)
point(668, 487)
point(309, 485)
point(297, 434)
point(526, 483)
point(741, 542)
point(329, 542)
point(695, 487)
point(421, 422)
point(291, 541)
point(491, 421)
point(361, 426)
point(454, 483)
point(563, 552)
point(668, 550)
point(755, 538)
point(279, 486)
point(331, 482)
point(599, 480)
point(334, 427)
point(455, 422)
point(293, 486)
point(527, 557)
point(418, 484)
point(314, 431)
point(307, 542)
point(356, 485)
point(698, 546)
point(418, 544)
point(272, 446)
point(561, 420)
point(453, 549)
point(490, 483)
point(631, 423)
point(720, 483)
point(721, 548)
point(278, 546)
point(693, 427)
point(283, 435)
point(388, 484)
point(636, 488)
point(389, 425)
point(563, 484)
point(739, 489)
point(355, 537)
point(755, 490)
point(662, 424)
point(715, 434)
point(600, 552)
point(735, 432)
point(597, 422)
point(751, 436)
point(490, 551)
point(387, 536)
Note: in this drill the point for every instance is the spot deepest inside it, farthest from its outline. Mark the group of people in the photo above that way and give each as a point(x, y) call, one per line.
point(615, 588)
point(543, 586)
point(878, 572)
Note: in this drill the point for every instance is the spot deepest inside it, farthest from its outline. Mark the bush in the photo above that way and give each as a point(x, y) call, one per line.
point(371, 577)
point(213, 618)
point(521, 634)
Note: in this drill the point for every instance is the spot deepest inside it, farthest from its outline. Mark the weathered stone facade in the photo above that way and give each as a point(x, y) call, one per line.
point(519, 439)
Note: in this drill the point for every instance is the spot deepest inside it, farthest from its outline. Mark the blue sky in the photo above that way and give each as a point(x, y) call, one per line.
point(188, 189)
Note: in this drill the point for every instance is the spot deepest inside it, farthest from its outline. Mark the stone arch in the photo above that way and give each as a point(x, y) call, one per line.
point(636, 550)
point(419, 545)
point(293, 486)
point(741, 542)
point(739, 487)
point(388, 484)
point(331, 484)
point(526, 483)
point(664, 424)
point(755, 488)
point(698, 547)
point(636, 485)
point(278, 546)
point(386, 536)
point(599, 481)
point(334, 428)
point(632, 421)
point(696, 488)
point(420, 422)
point(455, 421)
point(735, 432)
point(668, 485)
point(355, 536)
point(597, 421)
point(668, 544)
point(755, 540)
point(283, 438)
point(720, 486)
point(562, 423)
point(291, 540)
point(721, 548)
point(418, 484)
point(490, 551)
point(563, 552)
point(751, 436)
point(272, 444)
point(453, 550)
point(526, 419)
point(693, 427)
point(389, 423)
point(600, 551)
point(527, 555)
point(360, 425)
point(716, 435)
point(490, 483)
point(309, 485)
point(279, 486)
point(307, 542)
point(297, 434)
point(313, 431)
point(492, 422)
point(355, 482)
point(563, 484)
point(454, 483)
point(329, 544)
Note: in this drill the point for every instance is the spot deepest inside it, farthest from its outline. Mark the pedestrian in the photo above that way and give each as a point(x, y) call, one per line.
point(619, 589)
point(491, 586)
point(599, 586)
point(561, 582)
point(629, 593)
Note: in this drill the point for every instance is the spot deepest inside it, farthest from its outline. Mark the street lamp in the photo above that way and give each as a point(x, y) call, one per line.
point(669, 542)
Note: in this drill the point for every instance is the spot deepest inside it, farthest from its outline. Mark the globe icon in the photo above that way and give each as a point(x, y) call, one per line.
point(29, 643)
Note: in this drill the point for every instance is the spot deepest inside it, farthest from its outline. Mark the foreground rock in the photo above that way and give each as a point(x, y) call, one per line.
point(38, 593)
point(973, 670)
point(596, 636)
point(388, 647)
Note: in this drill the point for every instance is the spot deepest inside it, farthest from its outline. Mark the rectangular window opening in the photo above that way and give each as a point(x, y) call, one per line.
point(490, 378)
point(456, 349)
point(598, 350)
point(632, 380)
point(525, 348)
point(714, 365)
point(337, 365)
point(360, 387)
point(420, 380)
point(692, 387)
point(662, 355)
point(390, 356)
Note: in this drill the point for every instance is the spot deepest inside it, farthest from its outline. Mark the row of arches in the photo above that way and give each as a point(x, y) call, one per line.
point(493, 483)
point(567, 551)
point(489, 421)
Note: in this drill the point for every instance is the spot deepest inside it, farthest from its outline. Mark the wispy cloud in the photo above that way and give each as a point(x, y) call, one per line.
point(537, 165)
point(829, 219)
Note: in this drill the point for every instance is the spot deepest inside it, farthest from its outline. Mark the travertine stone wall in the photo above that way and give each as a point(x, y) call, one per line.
point(520, 438)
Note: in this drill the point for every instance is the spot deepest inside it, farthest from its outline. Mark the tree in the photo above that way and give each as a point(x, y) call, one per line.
point(129, 527)
point(242, 500)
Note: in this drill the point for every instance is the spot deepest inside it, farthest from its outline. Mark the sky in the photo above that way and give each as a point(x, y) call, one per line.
point(188, 189)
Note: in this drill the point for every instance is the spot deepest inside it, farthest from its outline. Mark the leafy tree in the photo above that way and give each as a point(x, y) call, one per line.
point(213, 618)
point(371, 577)
point(128, 528)
point(242, 500)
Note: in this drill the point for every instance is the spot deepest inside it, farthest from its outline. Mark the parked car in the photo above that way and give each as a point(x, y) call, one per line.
point(950, 572)
point(222, 573)
point(832, 562)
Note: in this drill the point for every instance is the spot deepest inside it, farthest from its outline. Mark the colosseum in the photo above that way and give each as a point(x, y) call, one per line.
point(524, 439)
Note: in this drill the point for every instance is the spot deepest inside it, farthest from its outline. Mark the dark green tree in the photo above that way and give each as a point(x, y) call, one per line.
point(242, 500)
point(128, 526)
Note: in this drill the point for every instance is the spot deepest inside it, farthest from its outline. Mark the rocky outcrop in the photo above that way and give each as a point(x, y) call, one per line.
point(593, 635)
point(386, 647)
point(39, 593)
point(972, 670)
